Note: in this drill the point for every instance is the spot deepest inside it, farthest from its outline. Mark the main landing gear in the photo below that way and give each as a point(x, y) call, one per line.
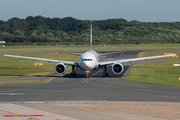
point(105, 74)
point(73, 74)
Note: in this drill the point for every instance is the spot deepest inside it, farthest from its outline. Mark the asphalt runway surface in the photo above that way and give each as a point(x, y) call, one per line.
point(93, 98)
point(96, 87)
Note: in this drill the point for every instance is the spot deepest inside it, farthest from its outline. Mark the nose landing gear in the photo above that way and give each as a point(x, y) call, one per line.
point(87, 74)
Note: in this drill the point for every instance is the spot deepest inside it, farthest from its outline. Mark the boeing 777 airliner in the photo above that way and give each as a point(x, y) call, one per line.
point(90, 61)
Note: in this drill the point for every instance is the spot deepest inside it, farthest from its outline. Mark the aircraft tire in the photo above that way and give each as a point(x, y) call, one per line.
point(106, 74)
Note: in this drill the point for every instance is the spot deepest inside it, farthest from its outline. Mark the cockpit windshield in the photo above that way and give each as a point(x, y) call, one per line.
point(87, 59)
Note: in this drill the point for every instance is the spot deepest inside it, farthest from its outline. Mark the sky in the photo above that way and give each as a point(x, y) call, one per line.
point(140, 10)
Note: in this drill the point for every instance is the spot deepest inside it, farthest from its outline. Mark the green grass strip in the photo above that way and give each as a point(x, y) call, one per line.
point(86, 47)
point(163, 73)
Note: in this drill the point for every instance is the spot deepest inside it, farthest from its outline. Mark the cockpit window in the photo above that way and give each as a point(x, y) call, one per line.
point(87, 59)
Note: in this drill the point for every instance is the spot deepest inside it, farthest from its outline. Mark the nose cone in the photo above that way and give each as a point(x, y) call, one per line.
point(89, 65)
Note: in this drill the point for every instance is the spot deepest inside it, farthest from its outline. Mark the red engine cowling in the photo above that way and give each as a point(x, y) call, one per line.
point(117, 68)
point(60, 68)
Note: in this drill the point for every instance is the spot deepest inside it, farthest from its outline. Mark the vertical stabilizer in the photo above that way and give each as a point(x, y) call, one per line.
point(91, 37)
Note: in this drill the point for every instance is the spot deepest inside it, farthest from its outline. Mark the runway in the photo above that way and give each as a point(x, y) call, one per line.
point(96, 87)
point(86, 98)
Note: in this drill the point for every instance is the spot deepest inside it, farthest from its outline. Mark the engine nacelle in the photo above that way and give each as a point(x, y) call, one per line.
point(60, 68)
point(117, 68)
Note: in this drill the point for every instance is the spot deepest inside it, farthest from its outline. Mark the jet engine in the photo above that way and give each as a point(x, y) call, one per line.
point(117, 68)
point(60, 68)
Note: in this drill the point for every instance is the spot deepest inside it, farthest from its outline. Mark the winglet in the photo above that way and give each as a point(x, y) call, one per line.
point(91, 37)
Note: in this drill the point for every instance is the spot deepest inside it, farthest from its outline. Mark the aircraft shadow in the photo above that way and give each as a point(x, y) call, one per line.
point(93, 74)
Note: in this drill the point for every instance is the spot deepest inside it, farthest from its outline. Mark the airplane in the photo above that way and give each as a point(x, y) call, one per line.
point(89, 61)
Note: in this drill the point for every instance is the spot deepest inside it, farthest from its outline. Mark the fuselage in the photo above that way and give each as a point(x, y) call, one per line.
point(89, 60)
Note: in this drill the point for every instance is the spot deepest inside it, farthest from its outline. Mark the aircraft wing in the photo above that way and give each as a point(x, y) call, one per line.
point(42, 59)
point(133, 59)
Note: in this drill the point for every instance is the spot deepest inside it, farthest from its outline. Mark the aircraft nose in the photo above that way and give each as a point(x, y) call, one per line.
point(89, 65)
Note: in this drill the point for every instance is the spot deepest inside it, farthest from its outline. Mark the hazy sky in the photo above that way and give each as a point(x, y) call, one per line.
point(141, 10)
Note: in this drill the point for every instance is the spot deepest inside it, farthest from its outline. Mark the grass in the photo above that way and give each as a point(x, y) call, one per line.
point(163, 73)
point(86, 47)
point(157, 73)
point(22, 82)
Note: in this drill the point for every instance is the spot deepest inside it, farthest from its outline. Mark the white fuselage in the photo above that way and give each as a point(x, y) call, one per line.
point(88, 60)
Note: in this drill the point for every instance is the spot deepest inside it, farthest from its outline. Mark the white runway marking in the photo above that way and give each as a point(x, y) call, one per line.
point(22, 113)
point(12, 93)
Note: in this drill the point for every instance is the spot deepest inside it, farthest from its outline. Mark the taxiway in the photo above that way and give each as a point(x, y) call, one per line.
point(96, 97)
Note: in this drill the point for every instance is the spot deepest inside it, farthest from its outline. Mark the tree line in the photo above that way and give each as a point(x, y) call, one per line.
point(42, 30)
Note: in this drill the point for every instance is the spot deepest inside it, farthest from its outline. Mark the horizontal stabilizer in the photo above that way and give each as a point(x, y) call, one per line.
point(71, 53)
point(109, 53)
